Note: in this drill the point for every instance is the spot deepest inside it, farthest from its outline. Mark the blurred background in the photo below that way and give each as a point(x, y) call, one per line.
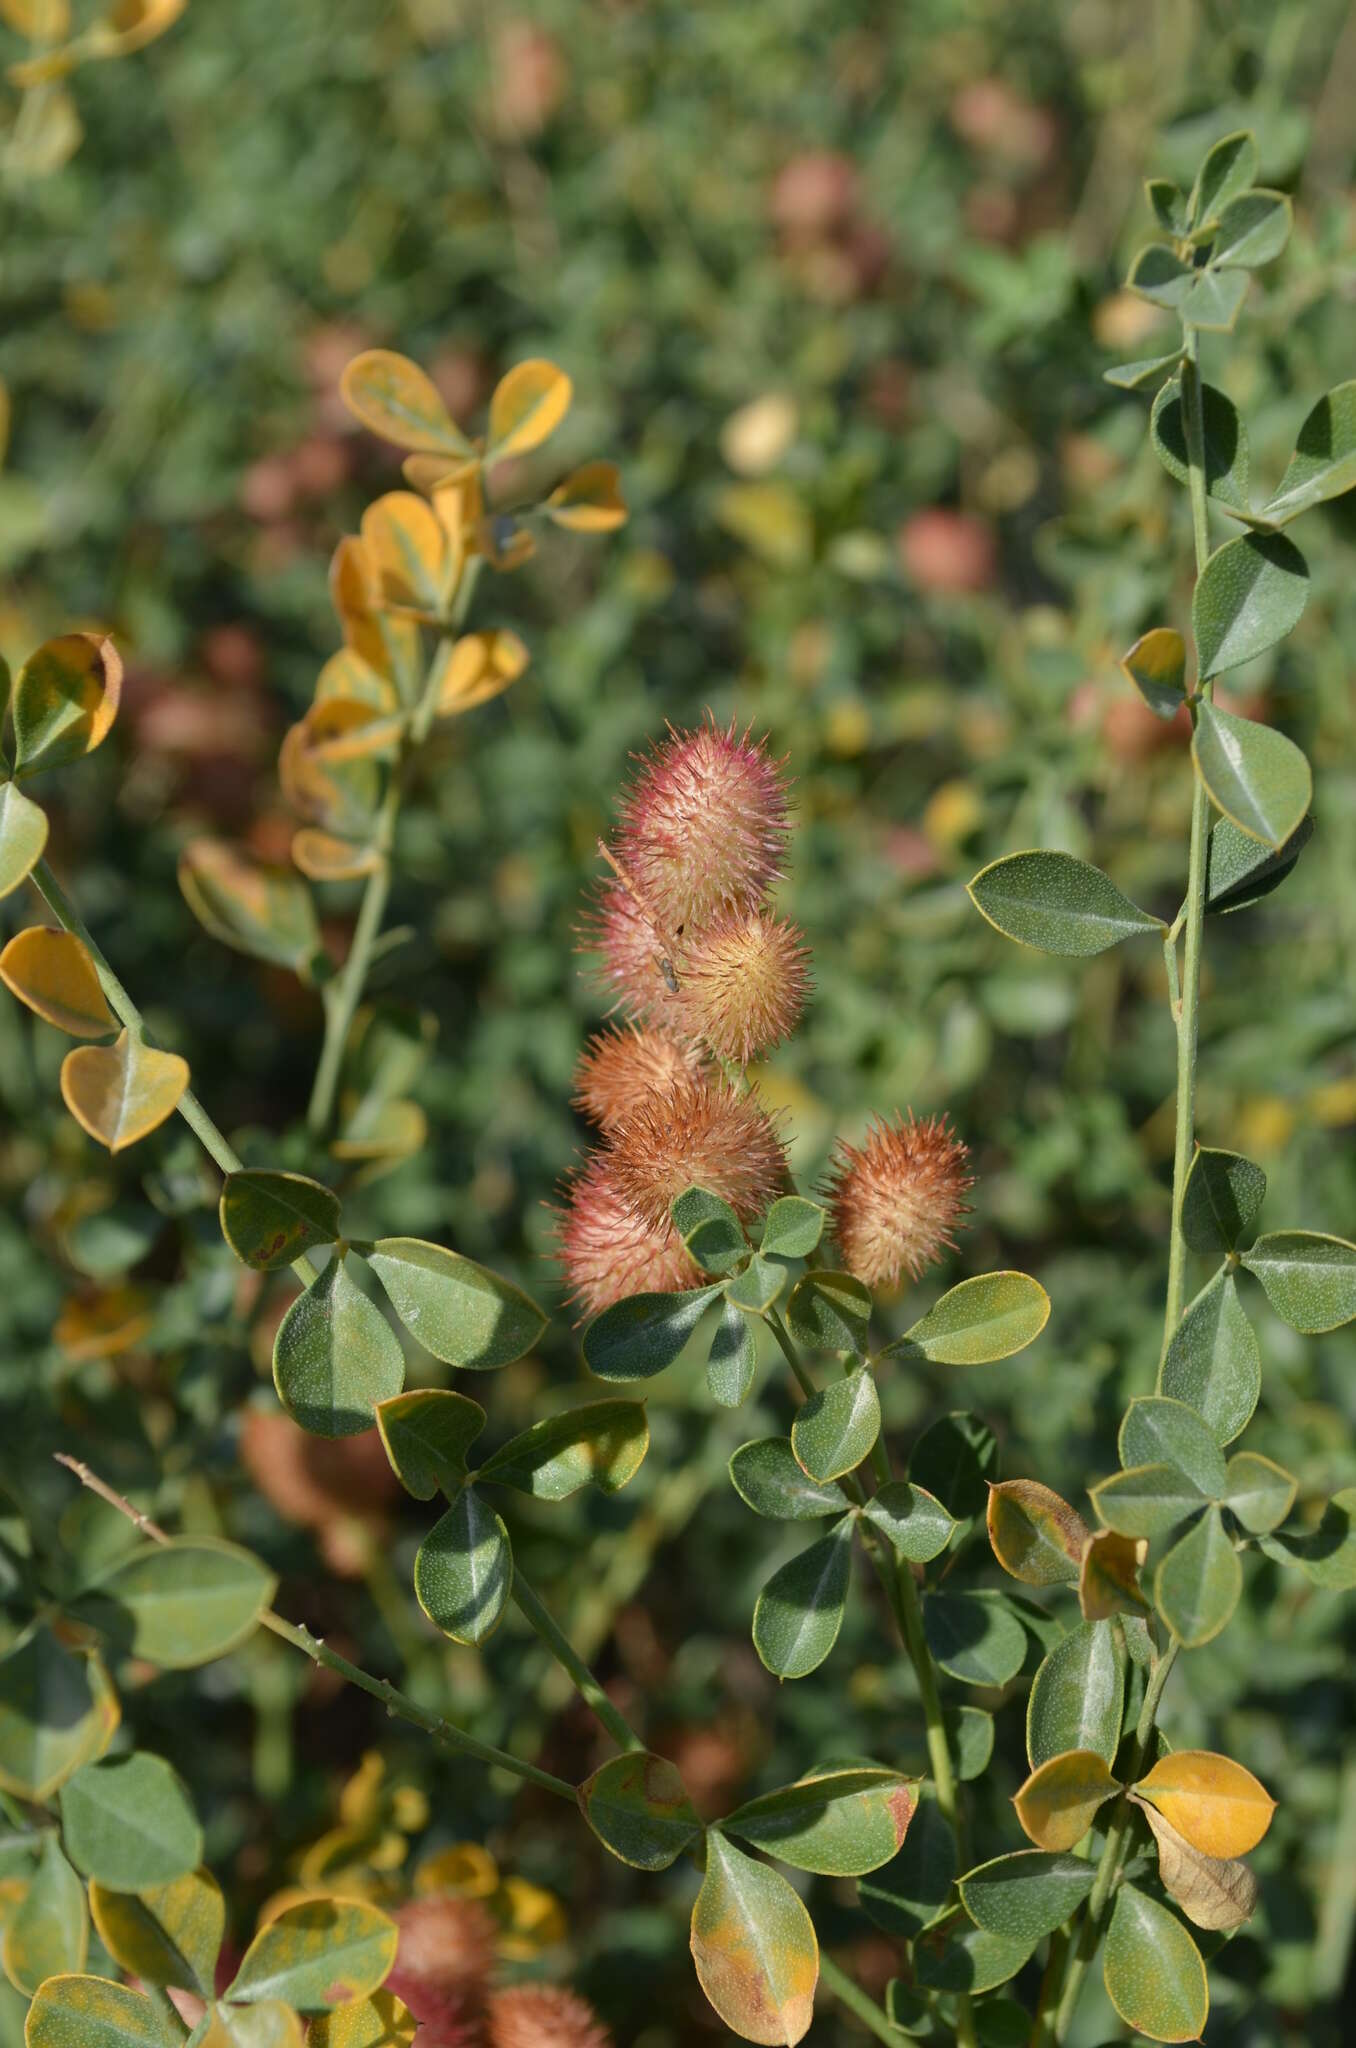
point(836, 285)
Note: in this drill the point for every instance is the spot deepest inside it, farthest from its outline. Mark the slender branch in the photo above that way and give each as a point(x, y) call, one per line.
point(319, 1652)
point(583, 1680)
point(209, 1136)
point(779, 1330)
point(856, 2000)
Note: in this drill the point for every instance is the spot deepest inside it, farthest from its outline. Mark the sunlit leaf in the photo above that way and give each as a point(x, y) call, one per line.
point(121, 1092)
point(1156, 665)
point(1229, 167)
point(1057, 904)
point(269, 1218)
point(475, 668)
point(1255, 775)
point(181, 1603)
point(911, 1519)
point(636, 1338)
point(1198, 1582)
point(754, 1947)
point(1249, 595)
point(1324, 462)
point(412, 564)
point(324, 857)
point(836, 1427)
point(829, 1311)
point(1060, 1800)
point(1025, 1896)
point(1213, 1362)
point(797, 1616)
point(322, 1953)
point(1156, 1428)
point(526, 408)
point(463, 1570)
point(602, 1444)
point(89, 2012)
point(837, 1822)
point(1258, 1491)
point(335, 1356)
point(260, 910)
point(51, 970)
point(47, 1933)
point(1152, 1969)
point(1035, 1535)
point(1214, 1893)
point(983, 1319)
point(65, 700)
point(589, 500)
point(23, 835)
point(1216, 1805)
point(427, 1434)
point(639, 1809)
point(1108, 1576)
point(461, 1312)
point(1309, 1278)
point(393, 397)
point(1078, 1696)
point(164, 1934)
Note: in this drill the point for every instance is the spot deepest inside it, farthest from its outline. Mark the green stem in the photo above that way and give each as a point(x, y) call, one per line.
point(120, 1002)
point(583, 1680)
point(395, 1702)
point(790, 1353)
point(1186, 1006)
point(1108, 1867)
point(856, 2000)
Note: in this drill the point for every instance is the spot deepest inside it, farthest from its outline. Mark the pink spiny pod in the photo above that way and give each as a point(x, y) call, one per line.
point(544, 2016)
point(608, 1250)
point(619, 1069)
point(742, 983)
point(705, 1134)
point(895, 1201)
point(703, 826)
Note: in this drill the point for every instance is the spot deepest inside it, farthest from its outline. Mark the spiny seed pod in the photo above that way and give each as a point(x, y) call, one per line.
point(617, 1070)
point(742, 983)
point(631, 952)
point(444, 1959)
point(895, 1202)
point(707, 1134)
point(544, 2016)
point(607, 1250)
point(704, 826)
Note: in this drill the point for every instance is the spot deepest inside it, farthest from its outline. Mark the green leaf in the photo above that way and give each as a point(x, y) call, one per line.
point(799, 1612)
point(1260, 1493)
point(601, 1444)
point(1249, 595)
point(1214, 301)
point(319, 1954)
point(698, 1205)
point(89, 2012)
point(758, 1286)
point(164, 1934)
point(1255, 775)
point(23, 835)
point(1152, 1969)
point(969, 1732)
point(829, 1311)
point(1160, 276)
point(954, 1461)
point(960, 1957)
point(459, 1311)
point(1309, 1278)
point(1156, 1430)
point(1213, 1362)
point(129, 1822)
point(913, 1520)
point(1027, 1895)
point(1197, 1584)
point(1078, 1696)
point(793, 1227)
point(270, 1219)
point(1168, 202)
point(710, 1229)
point(987, 1318)
point(1253, 229)
point(635, 1339)
point(1326, 1555)
point(427, 1434)
point(1223, 1198)
point(1156, 665)
point(181, 1603)
point(335, 1356)
point(1034, 1534)
point(732, 1359)
point(1147, 1500)
point(57, 1711)
point(839, 1822)
point(1225, 437)
point(754, 1947)
point(836, 1427)
point(1057, 904)
point(1324, 462)
point(974, 1636)
point(907, 1893)
point(47, 1933)
point(1130, 376)
point(463, 1571)
point(65, 700)
point(637, 1806)
point(1228, 169)
point(766, 1475)
point(1240, 871)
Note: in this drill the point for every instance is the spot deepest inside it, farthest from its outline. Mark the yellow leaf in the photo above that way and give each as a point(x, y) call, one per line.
point(1057, 1803)
point(392, 396)
point(71, 2011)
point(1214, 1804)
point(381, 2021)
point(23, 835)
point(42, 21)
point(169, 1934)
point(51, 970)
point(1035, 1535)
point(265, 2023)
point(466, 1869)
point(412, 563)
point(131, 24)
point(530, 1919)
point(528, 405)
point(349, 729)
point(1218, 1893)
point(1107, 1581)
point(65, 700)
point(432, 473)
point(102, 1325)
point(771, 519)
point(379, 1130)
point(477, 667)
point(589, 501)
point(326, 858)
point(339, 796)
point(348, 674)
point(121, 1092)
point(261, 910)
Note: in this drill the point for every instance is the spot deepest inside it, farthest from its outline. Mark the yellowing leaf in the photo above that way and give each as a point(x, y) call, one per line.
point(102, 1325)
point(393, 397)
point(65, 700)
point(260, 910)
point(530, 1919)
point(326, 858)
point(1035, 1535)
point(51, 970)
point(466, 1868)
point(169, 1934)
point(1058, 1802)
point(23, 835)
point(1218, 1893)
point(477, 667)
point(121, 1092)
point(1108, 1580)
point(589, 500)
point(42, 21)
point(771, 518)
point(754, 1947)
point(412, 564)
point(131, 24)
point(527, 406)
point(268, 2023)
point(351, 729)
point(348, 674)
point(1216, 1805)
point(381, 2021)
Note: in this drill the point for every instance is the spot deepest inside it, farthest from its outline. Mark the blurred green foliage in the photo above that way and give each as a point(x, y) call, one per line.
point(836, 285)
